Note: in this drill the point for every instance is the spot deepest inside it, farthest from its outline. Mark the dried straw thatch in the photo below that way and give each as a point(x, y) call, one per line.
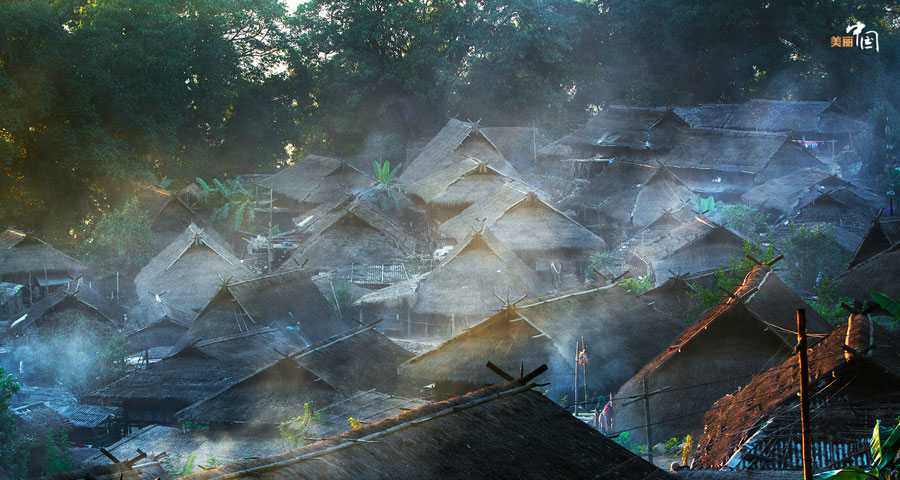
point(167, 213)
point(618, 128)
point(793, 116)
point(322, 373)
point(854, 375)
point(519, 145)
point(453, 143)
point(190, 270)
point(785, 195)
point(78, 297)
point(675, 296)
point(287, 300)
point(883, 233)
point(745, 333)
point(24, 256)
point(395, 295)
point(525, 223)
point(315, 180)
point(465, 282)
point(713, 115)
point(349, 232)
point(877, 273)
point(156, 324)
point(498, 432)
point(621, 334)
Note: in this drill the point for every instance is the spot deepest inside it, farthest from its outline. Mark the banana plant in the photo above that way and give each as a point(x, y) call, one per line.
point(386, 181)
point(884, 447)
point(238, 209)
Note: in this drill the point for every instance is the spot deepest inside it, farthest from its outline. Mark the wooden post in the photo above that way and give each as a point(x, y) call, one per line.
point(575, 400)
point(647, 419)
point(117, 286)
point(804, 394)
point(534, 143)
point(408, 321)
point(452, 323)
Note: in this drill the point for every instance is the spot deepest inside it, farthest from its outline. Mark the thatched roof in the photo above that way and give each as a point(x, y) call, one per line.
point(878, 272)
point(517, 144)
point(633, 194)
point(198, 371)
point(736, 151)
point(190, 270)
point(459, 185)
point(140, 470)
point(153, 201)
point(37, 419)
point(348, 232)
point(635, 128)
point(465, 282)
point(80, 297)
point(753, 428)
point(883, 233)
point(713, 115)
point(454, 142)
point(147, 314)
point(479, 435)
point(288, 300)
point(675, 296)
point(524, 222)
point(394, 295)
point(22, 254)
point(621, 333)
point(793, 116)
point(784, 195)
point(717, 353)
point(315, 179)
point(333, 368)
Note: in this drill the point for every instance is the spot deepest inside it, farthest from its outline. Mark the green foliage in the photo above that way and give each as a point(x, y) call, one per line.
point(883, 447)
point(748, 221)
point(59, 454)
point(120, 241)
point(194, 426)
point(811, 254)
point(636, 285)
point(730, 276)
point(827, 304)
point(887, 303)
point(355, 423)
point(14, 447)
point(705, 205)
point(624, 439)
point(386, 187)
point(293, 431)
point(600, 260)
point(238, 210)
point(177, 465)
point(341, 297)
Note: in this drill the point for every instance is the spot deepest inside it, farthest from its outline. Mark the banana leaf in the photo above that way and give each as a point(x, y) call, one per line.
point(848, 473)
point(885, 444)
point(887, 303)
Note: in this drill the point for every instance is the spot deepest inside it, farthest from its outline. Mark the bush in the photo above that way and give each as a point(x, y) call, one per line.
point(121, 240)
point(748, 221)
point(729, 277)
point(14, 448)
point(59, 454)
point(811, 255)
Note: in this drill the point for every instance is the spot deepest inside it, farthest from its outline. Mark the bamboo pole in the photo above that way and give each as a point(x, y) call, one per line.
point(575, 400)
point(804, 394)
point(647, 419)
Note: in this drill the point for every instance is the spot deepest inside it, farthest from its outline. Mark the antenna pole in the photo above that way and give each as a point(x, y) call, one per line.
point(804, 394)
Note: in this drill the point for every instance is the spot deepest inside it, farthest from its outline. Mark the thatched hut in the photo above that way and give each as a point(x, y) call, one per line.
point(61, 308)
point(315, 180)
point(460, 290)
point(620, 132)
point(680, 242)
point(620, 331)
point(785, 195)
point(883, 233)
point(349, 233)
point(28, 260)
point(518, 145)
point(167, 213)
point(734, 340)
point(38, 420)
point(854, 378)
point(676, 296)
point(288, 301)
point(190, 270)
point(446, 193)
point(155, 325)
point(456, 141)
point(727, 163)
point(876, 273)
point(529, 226)
point(323, 373)
point(479, 435)
point(155, 393)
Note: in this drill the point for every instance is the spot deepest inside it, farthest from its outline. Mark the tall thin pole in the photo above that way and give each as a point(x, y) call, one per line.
point(583, 358)
point(647, 419)
point(804, 394)
point(534, 143)
point(576, 378)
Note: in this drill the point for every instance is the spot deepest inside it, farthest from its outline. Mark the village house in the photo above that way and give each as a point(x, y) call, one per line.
point(620, 331)
point(746, 333)
point(461, 290)
point(188, 272)
point(155, 327)
point(876, 273)
point(29, 261)
point(167, 214)
point(882, 234)
point(479, 435)
point(528, 225)
point(854, 378)
point(312, 181)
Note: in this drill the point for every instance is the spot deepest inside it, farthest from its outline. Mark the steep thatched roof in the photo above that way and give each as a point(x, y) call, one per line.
point(37, 419)
point(22, 253)
point(748, 429)
point(793, 116)
point(287, 300)
point(713, 115)
point(190, 270)
point(140, 470)
point(466, 280)
point(735, 151)
point(353, 361)
point(315, 179)
point(153, 201)
point(479, 435)
point(458, 185)
point(878, 272)
point(147, 314)
point(524, 222)
point(77, 296)
point(519, 145)
point(718, 353)
point(348, 232)
point(883, 233)
point(633, 194)
point(394, 295)
point(675, 296)
point(198, 371)
point(783, 195)
point(454, 142)
point(635, 128)
point(621, 333)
